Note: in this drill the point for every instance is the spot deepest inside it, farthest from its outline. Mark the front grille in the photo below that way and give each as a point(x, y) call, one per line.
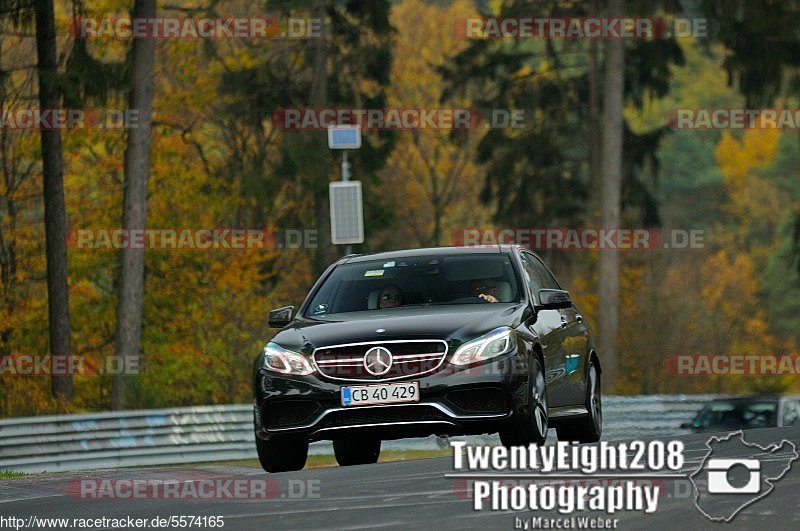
point(408, 358)
point(382, 415)
point(287, 413)
point(478, 400)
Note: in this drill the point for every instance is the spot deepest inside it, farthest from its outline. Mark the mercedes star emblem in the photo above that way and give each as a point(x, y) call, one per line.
point(378, 361)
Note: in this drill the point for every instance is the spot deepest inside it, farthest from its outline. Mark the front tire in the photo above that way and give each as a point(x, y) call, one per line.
point(282, 455)
point(588, 428)
point(352, 451)
point(534, 429)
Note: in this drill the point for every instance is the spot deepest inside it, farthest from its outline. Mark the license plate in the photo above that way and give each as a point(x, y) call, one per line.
point(365, 395)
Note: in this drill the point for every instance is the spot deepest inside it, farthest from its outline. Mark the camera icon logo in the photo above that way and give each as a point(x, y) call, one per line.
point(718, 482)
point(735, 474)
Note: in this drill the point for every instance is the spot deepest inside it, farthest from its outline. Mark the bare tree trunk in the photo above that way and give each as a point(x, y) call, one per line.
point(437, 224)
point(594, 136)
point(436, 203)
point(137, 173)
point(608, 292)
point(55, 216)
point(651, 357)
point(324, 253)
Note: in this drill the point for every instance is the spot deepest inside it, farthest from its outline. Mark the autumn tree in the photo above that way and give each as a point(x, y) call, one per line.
point(430, 177)
point(543, 175)
point(345, 65)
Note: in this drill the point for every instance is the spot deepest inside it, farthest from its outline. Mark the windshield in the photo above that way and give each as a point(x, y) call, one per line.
point(439, 279)
point(733, 415)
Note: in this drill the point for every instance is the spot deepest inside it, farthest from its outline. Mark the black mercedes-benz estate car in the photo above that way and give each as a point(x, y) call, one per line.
point(441, 341)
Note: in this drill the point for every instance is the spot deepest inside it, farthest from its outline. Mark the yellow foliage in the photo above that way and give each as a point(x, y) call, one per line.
point(753, 201)
point(756, 150)
point(431, 179)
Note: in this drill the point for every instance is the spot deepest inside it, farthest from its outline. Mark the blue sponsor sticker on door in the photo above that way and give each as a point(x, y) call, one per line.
point(572, 363)
point(346, 396)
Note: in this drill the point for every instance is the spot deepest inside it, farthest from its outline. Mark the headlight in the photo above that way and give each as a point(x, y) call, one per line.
point(497, 342)
point(278, 359)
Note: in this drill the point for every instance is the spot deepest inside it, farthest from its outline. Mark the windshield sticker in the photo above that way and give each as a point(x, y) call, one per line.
point(374, 273)
point(388, 264)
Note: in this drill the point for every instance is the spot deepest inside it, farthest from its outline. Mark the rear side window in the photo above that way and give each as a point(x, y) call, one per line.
point(791, 412)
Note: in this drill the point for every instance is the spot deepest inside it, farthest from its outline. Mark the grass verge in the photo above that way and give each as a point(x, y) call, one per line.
point(387, 456)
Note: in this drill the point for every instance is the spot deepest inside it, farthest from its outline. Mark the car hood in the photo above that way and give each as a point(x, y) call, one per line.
point(457, 322)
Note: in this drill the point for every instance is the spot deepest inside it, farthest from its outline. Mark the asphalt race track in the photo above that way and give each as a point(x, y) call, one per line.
point(392, 495)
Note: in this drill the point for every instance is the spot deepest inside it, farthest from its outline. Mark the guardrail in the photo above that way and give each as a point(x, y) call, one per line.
point(222, 433)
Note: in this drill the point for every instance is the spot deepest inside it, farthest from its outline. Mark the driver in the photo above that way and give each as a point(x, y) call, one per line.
point(389, 297)
point(486, 289)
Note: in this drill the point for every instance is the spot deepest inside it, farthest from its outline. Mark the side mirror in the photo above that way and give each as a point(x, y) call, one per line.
point(694, 425)
point(280, 317)
point(553, 299)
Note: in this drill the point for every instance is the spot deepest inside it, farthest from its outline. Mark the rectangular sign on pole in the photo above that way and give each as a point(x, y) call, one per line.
point(347, 218)
point(344, 137)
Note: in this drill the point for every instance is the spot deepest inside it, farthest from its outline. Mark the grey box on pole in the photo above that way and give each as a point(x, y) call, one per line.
point(347, 218)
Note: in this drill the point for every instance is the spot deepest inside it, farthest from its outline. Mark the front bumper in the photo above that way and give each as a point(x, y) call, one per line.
point(453, 401)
